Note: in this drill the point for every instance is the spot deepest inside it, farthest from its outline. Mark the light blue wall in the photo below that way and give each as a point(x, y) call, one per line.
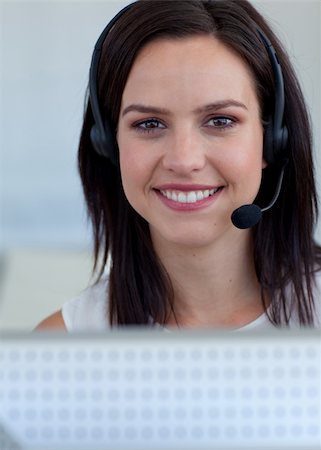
point(45, 55)
point(45, 51)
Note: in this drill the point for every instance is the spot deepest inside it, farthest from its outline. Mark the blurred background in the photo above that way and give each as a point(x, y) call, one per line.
point(45, 52)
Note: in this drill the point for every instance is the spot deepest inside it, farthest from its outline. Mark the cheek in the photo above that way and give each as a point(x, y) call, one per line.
point(126, 157)
point(250, 155)
point(244, 160)
point(242, 164)
point(128, 169)
point(135, 169)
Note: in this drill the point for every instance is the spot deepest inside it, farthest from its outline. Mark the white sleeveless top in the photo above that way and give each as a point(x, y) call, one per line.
point(88, 311)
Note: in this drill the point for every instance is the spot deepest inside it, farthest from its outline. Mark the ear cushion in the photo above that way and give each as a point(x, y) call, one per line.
point(281, 140)
point(97, 141)
point(104, 143)
point(268, 144)
point(275, 142)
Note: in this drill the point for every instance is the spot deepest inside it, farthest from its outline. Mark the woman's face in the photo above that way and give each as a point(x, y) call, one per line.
point(190, 139)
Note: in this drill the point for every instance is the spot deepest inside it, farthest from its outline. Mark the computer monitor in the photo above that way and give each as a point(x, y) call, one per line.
point(145, 389)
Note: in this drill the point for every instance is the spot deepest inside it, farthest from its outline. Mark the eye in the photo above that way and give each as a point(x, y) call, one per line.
point(149, 126)
point(220, 122)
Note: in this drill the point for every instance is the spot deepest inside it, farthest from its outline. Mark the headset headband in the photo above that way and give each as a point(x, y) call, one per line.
point(102, 136)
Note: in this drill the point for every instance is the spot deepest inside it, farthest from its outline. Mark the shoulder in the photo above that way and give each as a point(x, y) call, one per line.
point(292, 308)
point(317, 278)
point(317, 296)
point(53, 322)
point(89, 310)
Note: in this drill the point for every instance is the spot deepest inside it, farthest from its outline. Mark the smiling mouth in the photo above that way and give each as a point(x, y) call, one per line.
point(189, 196)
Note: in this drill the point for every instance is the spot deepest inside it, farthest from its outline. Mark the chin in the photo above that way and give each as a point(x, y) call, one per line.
point(190, 237)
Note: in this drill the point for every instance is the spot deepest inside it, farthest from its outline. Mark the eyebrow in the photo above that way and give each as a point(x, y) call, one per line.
point(220, 105)
point(136, 107)
point(145, 109)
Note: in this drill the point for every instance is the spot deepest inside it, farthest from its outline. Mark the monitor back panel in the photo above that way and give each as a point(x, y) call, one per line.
point(152, 390)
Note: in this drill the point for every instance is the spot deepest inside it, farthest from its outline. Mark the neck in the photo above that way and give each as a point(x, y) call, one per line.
point(213, 286)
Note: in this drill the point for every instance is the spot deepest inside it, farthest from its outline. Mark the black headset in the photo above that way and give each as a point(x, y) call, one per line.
point(103, 138)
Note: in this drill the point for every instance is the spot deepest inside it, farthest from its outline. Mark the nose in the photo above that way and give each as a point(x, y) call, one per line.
point(185, 152)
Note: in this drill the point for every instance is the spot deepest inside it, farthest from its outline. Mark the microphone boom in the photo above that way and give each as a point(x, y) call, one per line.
point(247, 216)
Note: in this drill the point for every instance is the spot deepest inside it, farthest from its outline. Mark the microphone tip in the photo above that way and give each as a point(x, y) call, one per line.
point(246, 216)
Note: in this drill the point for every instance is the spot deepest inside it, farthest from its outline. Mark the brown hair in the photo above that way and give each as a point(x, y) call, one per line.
point(284, 252)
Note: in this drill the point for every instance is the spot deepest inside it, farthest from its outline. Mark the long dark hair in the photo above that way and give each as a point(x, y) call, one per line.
point(284, 252)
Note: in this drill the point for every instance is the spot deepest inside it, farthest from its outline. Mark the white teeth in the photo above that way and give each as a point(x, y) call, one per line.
point(191, 197)
point(181, 197)
point(188, 197)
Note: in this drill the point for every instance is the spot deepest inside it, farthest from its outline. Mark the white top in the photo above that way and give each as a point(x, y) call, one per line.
point(88, 311)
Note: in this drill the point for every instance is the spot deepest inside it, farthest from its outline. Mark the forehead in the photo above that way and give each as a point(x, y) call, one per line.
point(195, 64)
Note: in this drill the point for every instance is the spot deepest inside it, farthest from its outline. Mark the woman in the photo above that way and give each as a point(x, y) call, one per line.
point(190, 116)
